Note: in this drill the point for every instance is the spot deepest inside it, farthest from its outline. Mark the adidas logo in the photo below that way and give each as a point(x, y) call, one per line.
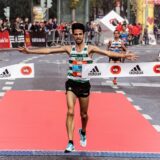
point(136, 70)
point(5, 74)
point(94, 72)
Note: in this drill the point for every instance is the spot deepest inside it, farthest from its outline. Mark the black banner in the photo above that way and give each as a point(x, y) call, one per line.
point(38, 39)
point(17, 40)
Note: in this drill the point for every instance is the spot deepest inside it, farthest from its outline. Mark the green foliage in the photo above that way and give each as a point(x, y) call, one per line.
point(20, 8)
point(2, 6)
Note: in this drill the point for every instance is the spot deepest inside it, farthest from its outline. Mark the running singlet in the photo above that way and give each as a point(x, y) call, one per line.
point(124, 37)
point(76, 60)
point(116, 46)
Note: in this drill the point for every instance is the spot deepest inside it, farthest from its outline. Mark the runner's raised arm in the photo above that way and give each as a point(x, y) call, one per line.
point(61, 49)
point(129, 55)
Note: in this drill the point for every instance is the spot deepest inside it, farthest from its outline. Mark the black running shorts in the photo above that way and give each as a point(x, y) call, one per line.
point(114, 59)
point(80, 89)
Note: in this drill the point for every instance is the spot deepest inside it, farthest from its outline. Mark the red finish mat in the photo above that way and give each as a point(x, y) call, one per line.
point(35, 120)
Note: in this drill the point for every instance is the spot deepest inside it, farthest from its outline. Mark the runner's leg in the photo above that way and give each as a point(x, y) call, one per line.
point(71, 100)
point(84, 102)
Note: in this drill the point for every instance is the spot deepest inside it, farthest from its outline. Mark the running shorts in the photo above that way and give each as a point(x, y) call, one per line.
point(80, 89)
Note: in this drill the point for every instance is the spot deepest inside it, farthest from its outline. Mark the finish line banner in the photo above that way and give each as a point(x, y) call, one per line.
point(105, 70)
point(17, 71)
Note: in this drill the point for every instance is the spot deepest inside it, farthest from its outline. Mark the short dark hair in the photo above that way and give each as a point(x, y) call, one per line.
point(78, 26)
point(116, 31)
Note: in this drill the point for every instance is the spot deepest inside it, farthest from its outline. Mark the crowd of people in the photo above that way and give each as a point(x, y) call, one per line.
point(131, 34)
point(62, 31)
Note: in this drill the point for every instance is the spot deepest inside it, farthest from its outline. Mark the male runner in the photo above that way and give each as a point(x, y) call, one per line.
point(76, 86)
point(116, 45)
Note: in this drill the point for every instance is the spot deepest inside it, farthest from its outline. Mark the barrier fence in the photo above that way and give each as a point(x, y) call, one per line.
point(42, 39)
point(4, 39)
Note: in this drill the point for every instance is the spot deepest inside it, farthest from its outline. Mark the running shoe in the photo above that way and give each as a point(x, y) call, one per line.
point(83, 140)
point(70, 148)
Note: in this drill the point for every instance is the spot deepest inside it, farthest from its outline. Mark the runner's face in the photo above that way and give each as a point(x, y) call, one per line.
point(78, 36)
point(116, 34)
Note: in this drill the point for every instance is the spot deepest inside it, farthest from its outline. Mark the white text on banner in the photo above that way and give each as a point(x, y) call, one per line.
point(104, 70)
point(17, 71)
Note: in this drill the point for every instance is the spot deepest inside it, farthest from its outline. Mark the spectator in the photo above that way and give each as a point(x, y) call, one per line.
point(146, 36)
point(124, 35)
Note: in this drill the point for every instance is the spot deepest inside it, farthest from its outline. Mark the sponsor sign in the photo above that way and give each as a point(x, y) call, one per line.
point(27, 39)
point(111, 20)
point(17, 40)
point(4, 39)
point(156, 69)
point(105, 70)
point(17, 71)
point(38, 39)
point(95, 71)
point(115, 69)
point(26, 70)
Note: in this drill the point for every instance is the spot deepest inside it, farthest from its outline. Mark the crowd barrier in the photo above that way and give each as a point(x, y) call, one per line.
point(41, 39)
point(4, 39)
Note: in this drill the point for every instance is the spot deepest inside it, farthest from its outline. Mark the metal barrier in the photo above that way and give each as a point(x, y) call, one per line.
point(43, 39)
point(17, 40)
point(158, 38)
point(4, 39)
point(38, 39)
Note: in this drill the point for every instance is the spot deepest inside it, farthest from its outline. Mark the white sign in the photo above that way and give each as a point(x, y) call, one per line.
point(17, 71)
point(7, 12)
point(152, 39)
point(105, 70)
point(111, 20)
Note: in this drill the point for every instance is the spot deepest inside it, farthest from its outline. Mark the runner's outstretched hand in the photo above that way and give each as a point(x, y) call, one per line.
point(23, 50)
point(131, 56)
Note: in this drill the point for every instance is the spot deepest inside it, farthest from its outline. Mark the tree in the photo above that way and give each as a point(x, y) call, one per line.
point(2, 6)
point(19, 8)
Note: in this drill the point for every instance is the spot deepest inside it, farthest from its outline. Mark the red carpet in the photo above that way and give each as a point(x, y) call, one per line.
point(35, 120)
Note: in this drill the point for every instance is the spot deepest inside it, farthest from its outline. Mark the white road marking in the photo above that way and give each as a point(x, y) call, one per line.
point(6, 88)
point(2, 94)
point(122, 92)
point(129, 99)
point(146, 116)
point(96, 92)
point(137, 108)
point(126, 84)
point(53, 62)
point(30, 59)
point(9, 83)
point(115, 87)
point(31, 90)
point(59, 90)
point(24, 61)
point(146, 84)
point(157, 127)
